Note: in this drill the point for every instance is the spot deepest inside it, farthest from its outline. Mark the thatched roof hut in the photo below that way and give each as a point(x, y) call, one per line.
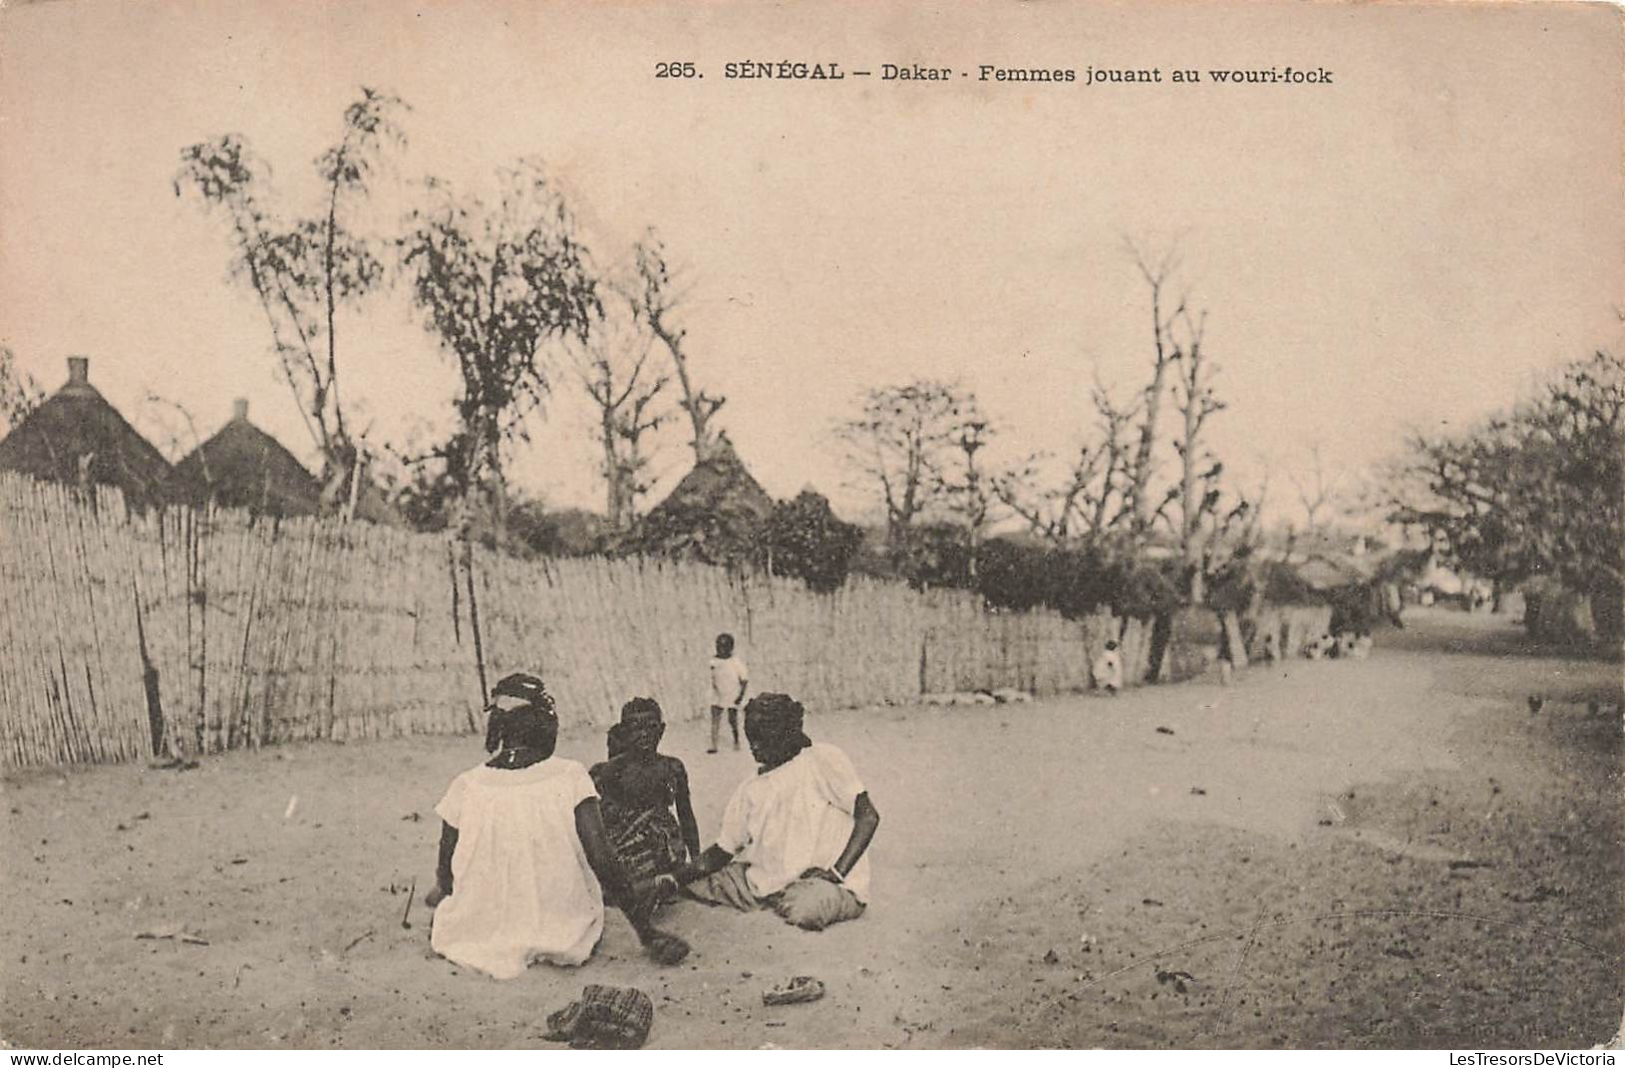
point(242, 466)
point(715, 514)
point(77, 437)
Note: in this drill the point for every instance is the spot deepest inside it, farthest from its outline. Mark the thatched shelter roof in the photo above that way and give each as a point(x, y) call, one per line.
point(715, 514)
point(1327, 572)
point(241, 466)
point(77, 436)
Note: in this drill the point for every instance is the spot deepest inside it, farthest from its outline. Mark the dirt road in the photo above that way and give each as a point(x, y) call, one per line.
point(1392, 852)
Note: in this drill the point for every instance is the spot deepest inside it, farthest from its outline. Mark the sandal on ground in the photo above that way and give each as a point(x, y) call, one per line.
point(801, 988)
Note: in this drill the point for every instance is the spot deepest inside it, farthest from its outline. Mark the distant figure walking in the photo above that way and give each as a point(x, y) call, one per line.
point(729, 681)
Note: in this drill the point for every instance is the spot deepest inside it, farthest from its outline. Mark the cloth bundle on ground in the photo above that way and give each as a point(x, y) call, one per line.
point(605, 1017)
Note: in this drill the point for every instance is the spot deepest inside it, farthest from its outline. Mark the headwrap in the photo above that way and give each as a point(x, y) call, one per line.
point(505, 725)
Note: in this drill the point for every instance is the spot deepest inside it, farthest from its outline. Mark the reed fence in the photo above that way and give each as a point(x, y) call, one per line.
point(128, 636)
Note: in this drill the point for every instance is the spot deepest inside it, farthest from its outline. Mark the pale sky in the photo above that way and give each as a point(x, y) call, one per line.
point(1408, 246)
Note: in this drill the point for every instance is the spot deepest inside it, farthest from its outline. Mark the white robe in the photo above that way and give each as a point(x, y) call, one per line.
point(522, 889)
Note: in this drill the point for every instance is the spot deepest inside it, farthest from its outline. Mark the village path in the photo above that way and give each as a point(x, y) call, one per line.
point(1387, 852)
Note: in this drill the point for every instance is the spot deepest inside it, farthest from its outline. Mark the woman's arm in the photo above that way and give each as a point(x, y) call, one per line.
point(865, 821)
point(600, 854)
point(714, 859)
point(612, 876)
point(448, 849)
point(685, 810)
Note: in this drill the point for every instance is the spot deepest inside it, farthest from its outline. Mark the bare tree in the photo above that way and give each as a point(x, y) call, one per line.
point(615, 369)
point(1093, 501)
point(970, 490)
point(1198, 490)
point(657, 297)
point(1158, 274)
point(1049, 514)
point(496, 282)
point(304, 269)
point(177, 430)
point(898, 445)
point(1317, 490)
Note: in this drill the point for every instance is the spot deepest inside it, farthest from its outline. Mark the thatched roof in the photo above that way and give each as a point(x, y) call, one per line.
point(1327, 572)
point(243, 467)
point(715, 513)
point(76, 435)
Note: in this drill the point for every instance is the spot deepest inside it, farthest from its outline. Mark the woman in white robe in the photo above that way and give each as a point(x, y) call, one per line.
point(524, 855)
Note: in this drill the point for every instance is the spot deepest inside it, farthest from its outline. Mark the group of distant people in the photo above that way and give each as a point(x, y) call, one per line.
point(1106, 670)
point(533, 846)
point(1347, 645)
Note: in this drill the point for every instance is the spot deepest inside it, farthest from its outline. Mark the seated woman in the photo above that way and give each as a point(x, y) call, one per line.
point(644, 796)
point(794, 837)
point(523, 852)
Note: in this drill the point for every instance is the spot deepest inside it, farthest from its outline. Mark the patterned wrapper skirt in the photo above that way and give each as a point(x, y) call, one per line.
point(648, 842)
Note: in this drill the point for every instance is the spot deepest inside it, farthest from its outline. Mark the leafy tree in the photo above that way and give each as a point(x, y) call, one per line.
point(302, 269)
point(496, 281)
point(1538, 491)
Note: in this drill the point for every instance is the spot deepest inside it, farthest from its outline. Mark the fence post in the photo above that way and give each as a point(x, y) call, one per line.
point(149, 678)
point(474, 621)
point(925, 641)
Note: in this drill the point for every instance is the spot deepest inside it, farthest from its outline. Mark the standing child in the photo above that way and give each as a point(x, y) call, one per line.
point(729, 681)
point(644, 796)
point(1108, 670)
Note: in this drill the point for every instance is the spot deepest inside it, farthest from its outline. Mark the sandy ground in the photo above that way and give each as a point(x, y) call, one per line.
point(1387, 853)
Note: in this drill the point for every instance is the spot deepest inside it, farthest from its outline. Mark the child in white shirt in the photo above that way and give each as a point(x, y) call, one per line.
point(729, 681)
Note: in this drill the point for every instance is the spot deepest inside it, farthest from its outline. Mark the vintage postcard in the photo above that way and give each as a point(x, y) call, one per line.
point(904, 525)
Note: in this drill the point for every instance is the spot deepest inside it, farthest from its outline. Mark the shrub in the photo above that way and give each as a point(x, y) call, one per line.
point(805, 540)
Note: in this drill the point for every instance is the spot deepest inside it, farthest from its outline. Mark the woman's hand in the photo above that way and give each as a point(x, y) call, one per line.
point(664, 948)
